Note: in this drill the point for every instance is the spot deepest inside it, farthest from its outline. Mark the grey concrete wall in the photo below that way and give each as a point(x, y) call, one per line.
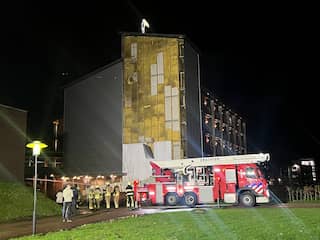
point(93, 123)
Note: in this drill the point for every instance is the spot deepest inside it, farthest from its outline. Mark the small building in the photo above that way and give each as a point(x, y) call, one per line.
point(13, 123)
point(303, 172)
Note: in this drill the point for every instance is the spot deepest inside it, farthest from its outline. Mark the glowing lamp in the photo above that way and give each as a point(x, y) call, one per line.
point(36, 147)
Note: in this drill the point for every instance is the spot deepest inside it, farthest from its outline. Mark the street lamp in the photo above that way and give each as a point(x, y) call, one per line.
point(36, 149)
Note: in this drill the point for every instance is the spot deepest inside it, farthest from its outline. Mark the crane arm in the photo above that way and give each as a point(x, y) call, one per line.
point(211, 161)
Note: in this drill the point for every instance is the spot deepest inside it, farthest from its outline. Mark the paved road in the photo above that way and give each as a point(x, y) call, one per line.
point(50, 224)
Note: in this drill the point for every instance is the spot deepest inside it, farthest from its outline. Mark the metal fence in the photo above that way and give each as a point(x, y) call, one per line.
point(306, 193)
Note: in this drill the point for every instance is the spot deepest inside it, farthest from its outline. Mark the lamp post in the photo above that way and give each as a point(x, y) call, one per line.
point(36, 150)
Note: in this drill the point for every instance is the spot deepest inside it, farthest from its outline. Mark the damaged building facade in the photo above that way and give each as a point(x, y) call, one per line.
point(147, 105)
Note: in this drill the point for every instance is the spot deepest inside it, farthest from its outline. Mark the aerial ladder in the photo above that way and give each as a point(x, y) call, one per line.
point(181, 164)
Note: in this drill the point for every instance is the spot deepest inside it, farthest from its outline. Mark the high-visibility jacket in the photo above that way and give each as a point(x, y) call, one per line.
point(91, 195)
point(116, 191)
point(108, 191)
point(97, 194)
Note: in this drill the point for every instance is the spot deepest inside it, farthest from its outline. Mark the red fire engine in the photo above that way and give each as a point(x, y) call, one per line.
point(232, 179)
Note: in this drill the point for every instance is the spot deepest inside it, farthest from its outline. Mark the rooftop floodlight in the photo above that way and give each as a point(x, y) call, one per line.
point(144, 25)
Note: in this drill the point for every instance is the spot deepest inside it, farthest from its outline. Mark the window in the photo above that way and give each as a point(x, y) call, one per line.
point(134, 50)
point(250, 172)
point(181, 50)
point(231, 176)
point(182, 82)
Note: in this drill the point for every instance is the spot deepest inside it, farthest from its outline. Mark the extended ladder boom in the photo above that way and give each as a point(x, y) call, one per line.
point(211, 161)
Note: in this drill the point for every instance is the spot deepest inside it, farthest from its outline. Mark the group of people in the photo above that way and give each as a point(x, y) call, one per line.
point(69, 199)
point(95, 197)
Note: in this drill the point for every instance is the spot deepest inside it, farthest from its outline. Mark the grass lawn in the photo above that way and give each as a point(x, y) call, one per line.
point(255, 223)
point(16, 201)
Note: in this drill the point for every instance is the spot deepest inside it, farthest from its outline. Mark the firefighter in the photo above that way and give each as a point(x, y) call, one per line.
point(91, 198)
point(129, 194)
point(97, 197)
point(108, 195)
point(116, 196)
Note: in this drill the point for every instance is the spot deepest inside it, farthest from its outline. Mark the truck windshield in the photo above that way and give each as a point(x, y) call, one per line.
point(251, 172)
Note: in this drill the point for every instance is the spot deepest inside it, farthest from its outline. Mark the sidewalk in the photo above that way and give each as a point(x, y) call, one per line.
point(51, 224)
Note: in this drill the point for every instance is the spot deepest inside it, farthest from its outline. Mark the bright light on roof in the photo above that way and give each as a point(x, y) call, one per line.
point(144, 25)
point(307, 163)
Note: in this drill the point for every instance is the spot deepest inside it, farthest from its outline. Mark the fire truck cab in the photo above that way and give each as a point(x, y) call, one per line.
point(231, 179)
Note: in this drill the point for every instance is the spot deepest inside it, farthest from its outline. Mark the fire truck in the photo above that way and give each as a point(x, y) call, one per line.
point(231, 179)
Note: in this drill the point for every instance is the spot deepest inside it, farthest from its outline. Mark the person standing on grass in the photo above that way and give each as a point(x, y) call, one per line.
point(67, 203)
point(63, 204)
point(59, 197)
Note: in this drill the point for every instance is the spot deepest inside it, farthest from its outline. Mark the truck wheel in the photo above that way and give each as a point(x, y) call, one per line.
point(247, 199)
point(190, 199)
point(171, 199)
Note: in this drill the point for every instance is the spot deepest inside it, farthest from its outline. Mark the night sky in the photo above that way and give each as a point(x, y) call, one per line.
point(260, 60)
